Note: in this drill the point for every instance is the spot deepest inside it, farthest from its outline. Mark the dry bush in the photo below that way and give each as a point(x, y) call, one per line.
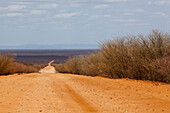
point(73, 65)
point(37, 67)
point(8, 66)
point(131, 56)
point(5, 62)
point(137, 57)
point(162, 66)
point(20, 68)
point(60, 68)
point(87, 65)
point(91, 65)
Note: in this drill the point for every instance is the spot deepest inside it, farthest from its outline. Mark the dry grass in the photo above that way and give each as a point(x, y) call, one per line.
point(136, 57)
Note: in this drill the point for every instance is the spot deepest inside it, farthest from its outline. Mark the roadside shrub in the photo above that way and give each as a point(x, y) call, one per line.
point(5, 63)
point(162, 66)
point(60, 68)
point(86, 65)
point(73, 65)
point(8, 66)
point(131, 56)
point(91, 65)
point(136, 57)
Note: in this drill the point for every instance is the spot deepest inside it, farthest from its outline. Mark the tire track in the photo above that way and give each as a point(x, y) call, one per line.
point(80, 100)
point(72, 94)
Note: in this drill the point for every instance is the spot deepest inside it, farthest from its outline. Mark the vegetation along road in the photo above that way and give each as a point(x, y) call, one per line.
point(66, 93)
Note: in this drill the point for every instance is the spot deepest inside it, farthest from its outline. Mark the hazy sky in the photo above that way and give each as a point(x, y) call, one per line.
point(79, 21)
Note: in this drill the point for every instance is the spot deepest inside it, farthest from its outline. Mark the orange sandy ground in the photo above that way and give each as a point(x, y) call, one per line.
point(66, 93)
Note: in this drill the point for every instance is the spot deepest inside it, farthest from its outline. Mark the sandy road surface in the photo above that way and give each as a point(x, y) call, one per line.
point(64, 93)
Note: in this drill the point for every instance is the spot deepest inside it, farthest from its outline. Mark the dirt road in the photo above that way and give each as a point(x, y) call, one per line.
point(66, 93)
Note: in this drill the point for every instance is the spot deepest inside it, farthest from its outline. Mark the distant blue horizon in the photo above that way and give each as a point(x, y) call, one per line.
point(58, 46)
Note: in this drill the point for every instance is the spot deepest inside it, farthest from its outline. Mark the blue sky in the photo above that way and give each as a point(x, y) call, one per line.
point(50, 22)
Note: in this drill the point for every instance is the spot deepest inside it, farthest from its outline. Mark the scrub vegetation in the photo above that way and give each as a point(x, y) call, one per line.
point(136, 57)
point(9, 66)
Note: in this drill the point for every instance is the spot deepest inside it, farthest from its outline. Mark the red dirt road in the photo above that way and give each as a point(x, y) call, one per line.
point(66, 93)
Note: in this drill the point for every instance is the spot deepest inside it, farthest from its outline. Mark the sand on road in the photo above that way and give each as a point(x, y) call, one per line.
point(66, 93)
